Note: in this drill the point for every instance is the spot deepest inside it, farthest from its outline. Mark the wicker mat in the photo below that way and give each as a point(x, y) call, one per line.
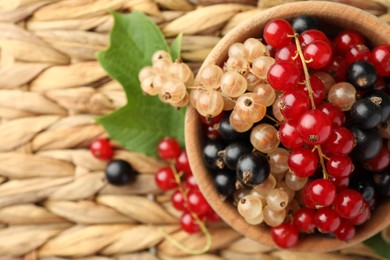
point(54, 201)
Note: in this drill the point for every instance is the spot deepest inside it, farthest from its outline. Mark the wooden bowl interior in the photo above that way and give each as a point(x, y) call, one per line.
point(332, 14)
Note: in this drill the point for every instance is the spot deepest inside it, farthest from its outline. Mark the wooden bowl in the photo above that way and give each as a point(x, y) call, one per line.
point(333, 14)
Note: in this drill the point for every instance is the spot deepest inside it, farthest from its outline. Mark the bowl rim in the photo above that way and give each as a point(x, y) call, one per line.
point(350, 17)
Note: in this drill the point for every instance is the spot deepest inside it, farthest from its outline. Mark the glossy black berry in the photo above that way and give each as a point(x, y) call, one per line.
point(228, 133)
point(210, 155)
point(382, 180)
point(304, 22)
point(253, 169)
point(368, 143)
point(225, 182)
point(364, 184)
point(119, 172)
point(365, 113)
point(362, 75)
point(383, 100)
point(234, 151)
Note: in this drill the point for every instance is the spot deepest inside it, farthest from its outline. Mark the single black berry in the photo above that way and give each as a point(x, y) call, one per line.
point(366, 113)
point(364, 184)
point(253, 169)
point(119, 172)
point(383, 100)
point(228, 133)
point(304, 22)
point(210, 155)
point(225, 182)
point(362, 75)
point(234, 151)
point(368, 143)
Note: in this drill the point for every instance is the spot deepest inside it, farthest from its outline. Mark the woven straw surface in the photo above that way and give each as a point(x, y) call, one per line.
point(54, 201)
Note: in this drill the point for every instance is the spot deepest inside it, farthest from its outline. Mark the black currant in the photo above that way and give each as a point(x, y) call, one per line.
point(210, 155)
point(368, 143)
point(253, 169)
point(225, 182)
point(382, 181)
point(362, 75)
point(304, 22)
point(365, 113)
point(383, 100)
point(228, 133)
point(119, 172)
point(234, 151)
point(364, 184)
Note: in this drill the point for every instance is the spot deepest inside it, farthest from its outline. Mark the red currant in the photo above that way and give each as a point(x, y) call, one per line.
point(340, 183)
point(197, 203)
point(312, 35)
point(318, 89)
point(337, 68)
point(289, 53)
point(285, 235)
point(178, 201)
point(293, 104)
point(283, 76)
point(212, 132)
point(339, 166)
point(101, 149)
point(346, 231)
point(327, 220)
point(191, 183)
point(340, 142)
point(182, 163)
point(210, 121)
point(278, 32)
point(381, 59)
point(363, 216)
point(306, 199)
point(349, 203)
point(345, 39)
point(289, 136)
point(212, 216)
point(304, 220)
point(319, 53)
point(314, 127)
point(168, 148)
point(302, 162)
point(357, 52)
point(188, 223)
point(165, 179)
point(322, 192)
point(380, 162)
point(334, 113)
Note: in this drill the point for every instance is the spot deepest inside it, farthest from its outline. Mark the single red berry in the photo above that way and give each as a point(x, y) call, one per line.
point(191, 183)
point(101, 149)
point(363, 216)
point(318, 53)
point(197, 203)
point(283, 76)
point(306, 199)
point(289, 53)
point(168, 148)
point(314, 127)
point(346, 231)
point(337, 68)
point(293, 104)
point(334, 113)
point(165, 179)
point(322, 192)
point(188, 223)
point(278, 32)
point(340, 142)
point(302, 162)
point(304, 220)
point(210, 121)
point(317, 87)
point(381, 59)
point(312, 35)
point(289, 135)
point(380, 162)
point(339, 166)
point(178, 201)
point(182, 163)
point(357, 52)
point(349, 203)
point(347, 38)
point(212, 216)
point(340, 183)
point(285, 235)
point(327, 220)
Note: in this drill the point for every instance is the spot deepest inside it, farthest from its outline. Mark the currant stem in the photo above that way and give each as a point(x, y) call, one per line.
point(311, 97)
point(305, 70)
point(201, 224)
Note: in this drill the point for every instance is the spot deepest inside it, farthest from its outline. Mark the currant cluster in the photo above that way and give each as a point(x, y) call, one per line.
point(305, 135)
point(186, 197)
point(117, 172)
point(167, 79)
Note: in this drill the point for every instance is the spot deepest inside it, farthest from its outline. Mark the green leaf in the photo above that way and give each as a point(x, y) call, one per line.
point(176, 47)
point(379, 246)
point(140, 124)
